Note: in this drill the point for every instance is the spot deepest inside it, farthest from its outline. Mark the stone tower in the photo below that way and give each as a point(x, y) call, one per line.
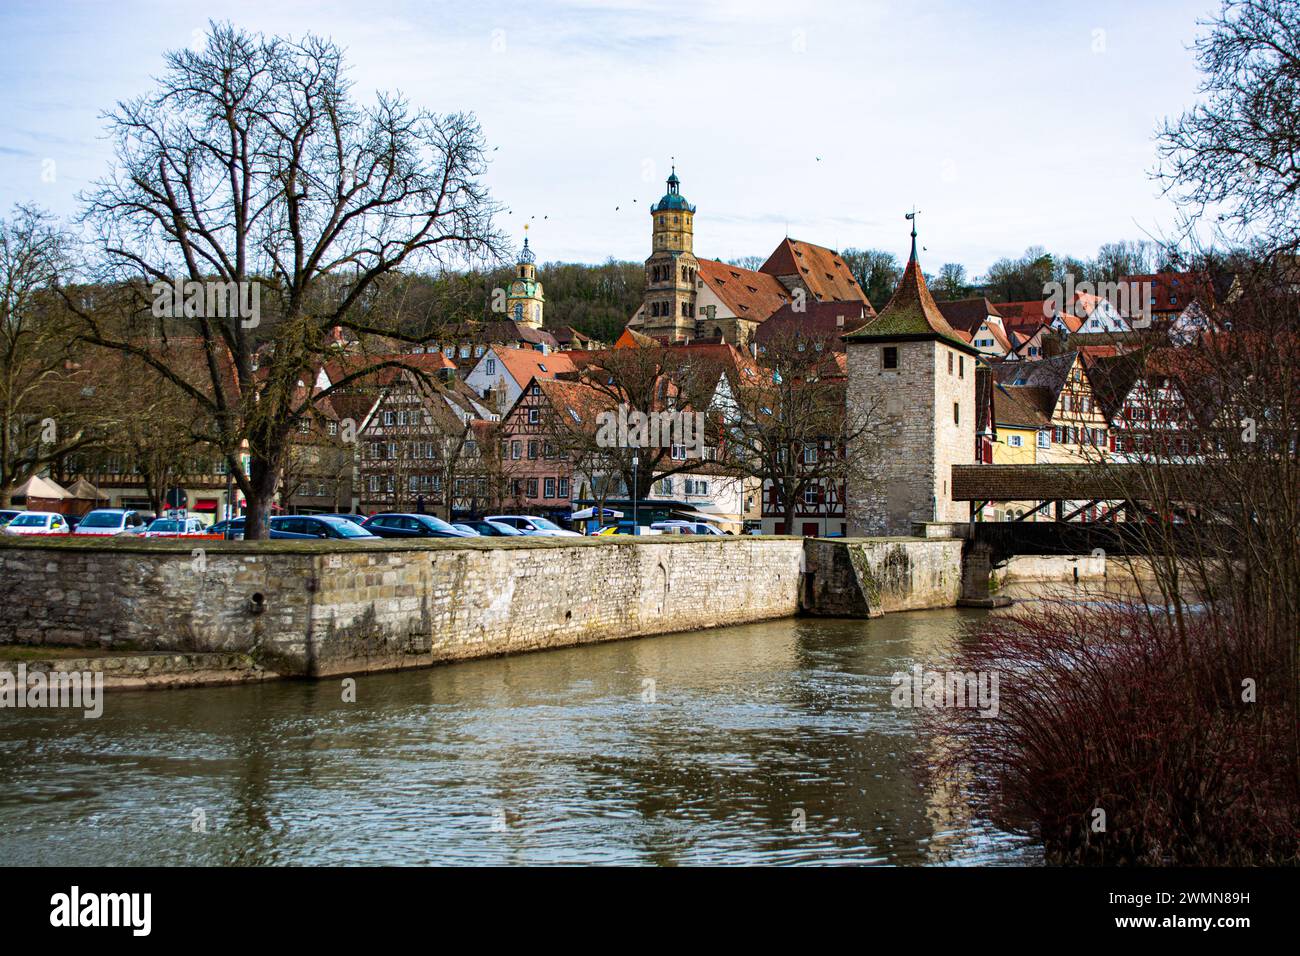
point(670, 270)
point(525, 299)
point(912, 380)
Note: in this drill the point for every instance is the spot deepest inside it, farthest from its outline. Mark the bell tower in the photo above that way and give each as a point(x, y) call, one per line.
point(670, 271)
point(525, 300)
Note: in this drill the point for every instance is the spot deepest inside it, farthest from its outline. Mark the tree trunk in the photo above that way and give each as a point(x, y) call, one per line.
point(262, 481)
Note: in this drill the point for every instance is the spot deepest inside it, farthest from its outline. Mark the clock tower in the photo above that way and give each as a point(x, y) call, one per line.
point(670, 271)
point(525, 299)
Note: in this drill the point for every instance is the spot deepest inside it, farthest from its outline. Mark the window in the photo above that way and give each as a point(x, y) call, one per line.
point(889, 357)
point(516, 450)
point(961, 366)
point(374, 483)
point(464, 351)
point(1014, 441)
point(392, 449)
point(564, 488)
point(679, 453)
point(810, 455)
point(548, 450)
point(549, 485)
point(536, 389)
point(534, 416)
point(1044, 439)
point(490, 366)
point(949, 363)
point(332, 427)
point(665, 486)
point(401, 418)
point(810, 495)
point(304, 425)
point(956, 413)
point(388, 418)
point(532, 487)
point(532, 449)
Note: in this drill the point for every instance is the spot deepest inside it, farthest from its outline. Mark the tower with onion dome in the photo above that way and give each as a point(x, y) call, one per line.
point(525, 299)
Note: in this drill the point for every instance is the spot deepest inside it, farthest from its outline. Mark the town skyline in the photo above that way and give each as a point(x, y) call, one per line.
point(836, 183)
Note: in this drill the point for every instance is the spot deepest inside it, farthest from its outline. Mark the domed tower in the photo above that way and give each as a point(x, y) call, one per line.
point(525, 299)
point(670, 270)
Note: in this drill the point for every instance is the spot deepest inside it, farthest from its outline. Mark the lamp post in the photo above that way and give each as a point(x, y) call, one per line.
point(636, 528)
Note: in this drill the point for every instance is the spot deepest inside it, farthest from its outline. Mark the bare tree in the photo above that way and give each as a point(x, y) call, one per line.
point(1236, 150)
point(252, 167)
point(42, 409)
point(787, 421)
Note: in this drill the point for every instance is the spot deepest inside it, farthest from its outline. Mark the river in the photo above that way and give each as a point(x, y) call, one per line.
point(769, 743)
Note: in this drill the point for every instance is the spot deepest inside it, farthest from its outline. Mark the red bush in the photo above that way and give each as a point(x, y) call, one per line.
point(1117, 708)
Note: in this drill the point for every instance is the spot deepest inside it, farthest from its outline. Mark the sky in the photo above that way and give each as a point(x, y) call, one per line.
point(1006, 123)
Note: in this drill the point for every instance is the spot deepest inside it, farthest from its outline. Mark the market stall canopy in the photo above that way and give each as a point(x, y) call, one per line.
point(38, 487)
point(81, 488)
point(586, 513)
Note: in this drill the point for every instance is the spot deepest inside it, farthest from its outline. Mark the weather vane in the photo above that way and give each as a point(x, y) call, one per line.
point(911, 216)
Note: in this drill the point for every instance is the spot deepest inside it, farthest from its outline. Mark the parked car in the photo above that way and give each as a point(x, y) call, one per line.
point(686, 527)
point(412, 526)
point(461, 526)
point(355, 519)
point(317, 526)
point(299, 527)
point(494, 529)
point(530, 524)
point(106, 521)
point(234, 525)
point(8, 516)
point(37, 522)
point(625, 527)
point(173, 528)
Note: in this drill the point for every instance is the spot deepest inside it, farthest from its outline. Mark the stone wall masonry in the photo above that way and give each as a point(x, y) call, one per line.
point(868, 577)
point(321, 608)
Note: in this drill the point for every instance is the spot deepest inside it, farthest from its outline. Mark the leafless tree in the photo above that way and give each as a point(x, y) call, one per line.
point(787, 423)
point(43, 413)
point(252, 164)
point(1237, 149)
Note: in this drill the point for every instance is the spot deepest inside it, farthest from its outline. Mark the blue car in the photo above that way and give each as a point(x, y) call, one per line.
point(300, 528)
point(412, 526)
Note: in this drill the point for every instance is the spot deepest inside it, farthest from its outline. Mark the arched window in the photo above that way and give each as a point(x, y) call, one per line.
point(519, 311)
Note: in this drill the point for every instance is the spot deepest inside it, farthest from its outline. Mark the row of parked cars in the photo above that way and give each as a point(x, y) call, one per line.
point(349, 526)
point(121, 521)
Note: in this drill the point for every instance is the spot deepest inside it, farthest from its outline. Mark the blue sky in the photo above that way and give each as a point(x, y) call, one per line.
point(1007, 123)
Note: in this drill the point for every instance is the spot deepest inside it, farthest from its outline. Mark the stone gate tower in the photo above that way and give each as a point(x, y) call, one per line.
point(670, 270)
point(912, 380)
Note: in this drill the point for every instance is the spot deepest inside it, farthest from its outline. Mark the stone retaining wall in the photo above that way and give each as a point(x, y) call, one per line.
point(319, 608)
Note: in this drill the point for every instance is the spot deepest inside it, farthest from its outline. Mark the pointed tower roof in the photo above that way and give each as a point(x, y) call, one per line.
point(911, 314)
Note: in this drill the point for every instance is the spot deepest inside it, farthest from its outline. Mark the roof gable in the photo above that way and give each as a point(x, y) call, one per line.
point(825, 274)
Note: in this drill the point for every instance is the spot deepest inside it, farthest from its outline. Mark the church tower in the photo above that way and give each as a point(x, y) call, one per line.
point(670, 270)
point(911, 395)
point(525, 300)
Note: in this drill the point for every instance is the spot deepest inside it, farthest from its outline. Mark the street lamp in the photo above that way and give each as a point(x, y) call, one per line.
point(636, 528)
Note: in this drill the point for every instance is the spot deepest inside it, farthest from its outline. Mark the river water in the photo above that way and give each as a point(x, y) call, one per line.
point(770, 743)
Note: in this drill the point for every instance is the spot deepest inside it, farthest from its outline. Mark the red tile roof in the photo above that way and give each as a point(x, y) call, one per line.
point(750, 295)
point(825, 274)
